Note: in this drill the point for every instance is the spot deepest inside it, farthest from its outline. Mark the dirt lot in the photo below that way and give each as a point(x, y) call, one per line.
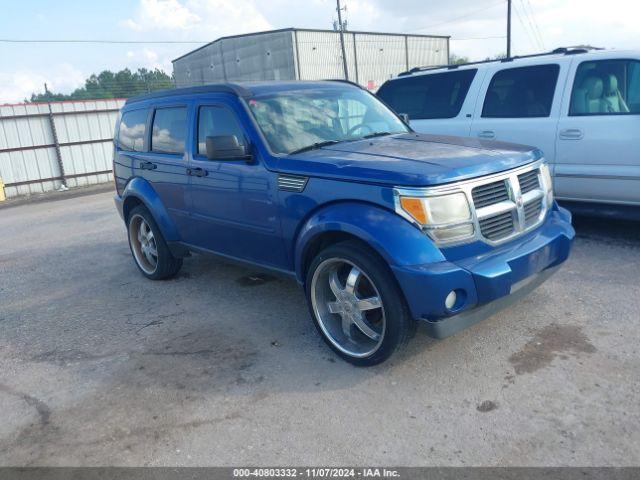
point(99, 366)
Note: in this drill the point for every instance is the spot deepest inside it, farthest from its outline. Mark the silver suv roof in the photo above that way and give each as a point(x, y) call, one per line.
point(558, 53)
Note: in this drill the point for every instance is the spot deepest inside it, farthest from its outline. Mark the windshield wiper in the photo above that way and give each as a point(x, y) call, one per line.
point(315, 146)
point(377, 134)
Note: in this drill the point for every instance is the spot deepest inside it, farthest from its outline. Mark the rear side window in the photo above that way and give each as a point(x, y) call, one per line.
point(169, 130)
point(606, 87)
point(437, 95)
point(215, 121)
point(522, 92)
point(132, 130)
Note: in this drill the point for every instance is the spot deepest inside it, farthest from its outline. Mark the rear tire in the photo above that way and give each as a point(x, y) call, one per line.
point(356, 304)
point(149, 248)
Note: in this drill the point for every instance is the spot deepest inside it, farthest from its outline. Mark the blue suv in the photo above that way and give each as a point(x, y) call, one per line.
point(382, 226)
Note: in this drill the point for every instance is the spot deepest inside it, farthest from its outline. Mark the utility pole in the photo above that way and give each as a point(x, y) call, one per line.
point(344, 54)
point(508, 28)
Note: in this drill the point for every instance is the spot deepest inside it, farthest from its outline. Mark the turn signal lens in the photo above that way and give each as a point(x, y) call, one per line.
point(415, 208)
point(446, 218)
point(450, 234)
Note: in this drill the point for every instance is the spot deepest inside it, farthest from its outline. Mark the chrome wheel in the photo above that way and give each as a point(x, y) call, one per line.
point(348, 307)
point(143, 244)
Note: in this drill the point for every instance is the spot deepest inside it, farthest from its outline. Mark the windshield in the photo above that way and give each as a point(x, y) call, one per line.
point(309, 118)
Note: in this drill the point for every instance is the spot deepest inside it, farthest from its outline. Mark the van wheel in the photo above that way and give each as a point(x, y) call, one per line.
point(356, 304)
point(148, 247)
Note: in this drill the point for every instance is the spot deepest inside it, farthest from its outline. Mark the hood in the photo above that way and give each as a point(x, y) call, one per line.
point(409, 159)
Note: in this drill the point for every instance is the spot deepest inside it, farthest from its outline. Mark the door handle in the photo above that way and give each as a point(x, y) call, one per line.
point(197, 172)
point(487, 134)
point(571, 134)
point(148, 166)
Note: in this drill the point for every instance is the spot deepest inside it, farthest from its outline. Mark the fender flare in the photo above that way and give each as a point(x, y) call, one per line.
point(394, 238)
point(142, 190)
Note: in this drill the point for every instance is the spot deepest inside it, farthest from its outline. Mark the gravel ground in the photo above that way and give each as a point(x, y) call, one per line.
point(222, 366)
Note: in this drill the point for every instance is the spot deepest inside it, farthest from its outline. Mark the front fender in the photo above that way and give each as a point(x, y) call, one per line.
point(141, 189)
point(394, 238)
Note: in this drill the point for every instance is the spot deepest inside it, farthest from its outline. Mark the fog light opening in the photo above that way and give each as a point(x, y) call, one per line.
point(455, 300)
point(451, 299)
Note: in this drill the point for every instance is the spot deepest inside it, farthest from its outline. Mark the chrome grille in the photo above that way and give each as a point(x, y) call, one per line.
point(528, 181)
point(291, 183)
point(490, 193)
point(510, 205)
point(532, 211)
point(497, 226)
point(503, 205)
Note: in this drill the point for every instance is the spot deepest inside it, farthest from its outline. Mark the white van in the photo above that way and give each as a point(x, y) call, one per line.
point(580, 107)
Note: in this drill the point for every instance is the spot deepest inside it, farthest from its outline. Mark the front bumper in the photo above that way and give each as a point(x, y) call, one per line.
point(488, 282)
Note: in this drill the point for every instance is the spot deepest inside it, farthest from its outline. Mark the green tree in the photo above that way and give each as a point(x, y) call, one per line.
point(106, 84)
point(499, 56)
point(457, 60)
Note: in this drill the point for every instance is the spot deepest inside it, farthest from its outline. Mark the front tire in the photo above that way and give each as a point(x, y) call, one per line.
point(356, 304)
point(149, 248)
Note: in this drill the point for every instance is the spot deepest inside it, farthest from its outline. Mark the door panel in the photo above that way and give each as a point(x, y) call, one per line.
point(164, 164)
point(521, 105)
point(598, 140)
point(233, 203)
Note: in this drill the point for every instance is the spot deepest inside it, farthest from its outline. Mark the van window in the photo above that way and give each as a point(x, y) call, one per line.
point(606, 87)
point(436, 95)
point(132, 130)
point(522, 92)
point(169, 130)
point(214, 121)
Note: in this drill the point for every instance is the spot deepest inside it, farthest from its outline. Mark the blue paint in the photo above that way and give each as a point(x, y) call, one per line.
point(238, 211)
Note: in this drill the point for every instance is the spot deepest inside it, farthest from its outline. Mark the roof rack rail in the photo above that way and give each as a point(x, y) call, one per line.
point(558, 51)
point(232, 88)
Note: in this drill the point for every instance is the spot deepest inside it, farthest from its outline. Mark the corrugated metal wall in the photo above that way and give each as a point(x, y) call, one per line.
point(37, 139)
point(235, 58)
point(372, 58)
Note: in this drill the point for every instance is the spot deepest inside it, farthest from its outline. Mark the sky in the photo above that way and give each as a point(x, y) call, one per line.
point(477, 29)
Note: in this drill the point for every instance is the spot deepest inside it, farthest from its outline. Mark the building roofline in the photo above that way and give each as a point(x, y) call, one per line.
point(293, 29)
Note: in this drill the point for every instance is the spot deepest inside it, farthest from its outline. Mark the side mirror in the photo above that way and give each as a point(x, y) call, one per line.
point(225, 147)
point(404, 117)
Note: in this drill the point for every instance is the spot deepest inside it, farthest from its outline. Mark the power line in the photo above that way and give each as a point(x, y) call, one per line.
point(527, 17)
point(20, 40)
point(535, 23)
point(525, 28)
point(456, 19)
point(478, 38)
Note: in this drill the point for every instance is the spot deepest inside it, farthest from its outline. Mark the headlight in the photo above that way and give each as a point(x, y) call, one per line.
point(548, 183)
point(445, 218)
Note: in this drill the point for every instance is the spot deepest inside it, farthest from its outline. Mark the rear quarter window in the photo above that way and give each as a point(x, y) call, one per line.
point(169, 130)
point(132, 130)
point(437, 95)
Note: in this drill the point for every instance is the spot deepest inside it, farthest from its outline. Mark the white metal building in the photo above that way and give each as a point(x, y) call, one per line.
point(301, 54)
point(46, 146)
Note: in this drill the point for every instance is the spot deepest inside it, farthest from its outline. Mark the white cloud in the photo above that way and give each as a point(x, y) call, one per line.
point(148, 58)
point(162, 14)
point(200, 19)
point(566, 23)
point(19, 85)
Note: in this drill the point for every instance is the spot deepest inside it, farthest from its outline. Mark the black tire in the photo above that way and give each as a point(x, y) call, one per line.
point(399, 326)
point(166, 265)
